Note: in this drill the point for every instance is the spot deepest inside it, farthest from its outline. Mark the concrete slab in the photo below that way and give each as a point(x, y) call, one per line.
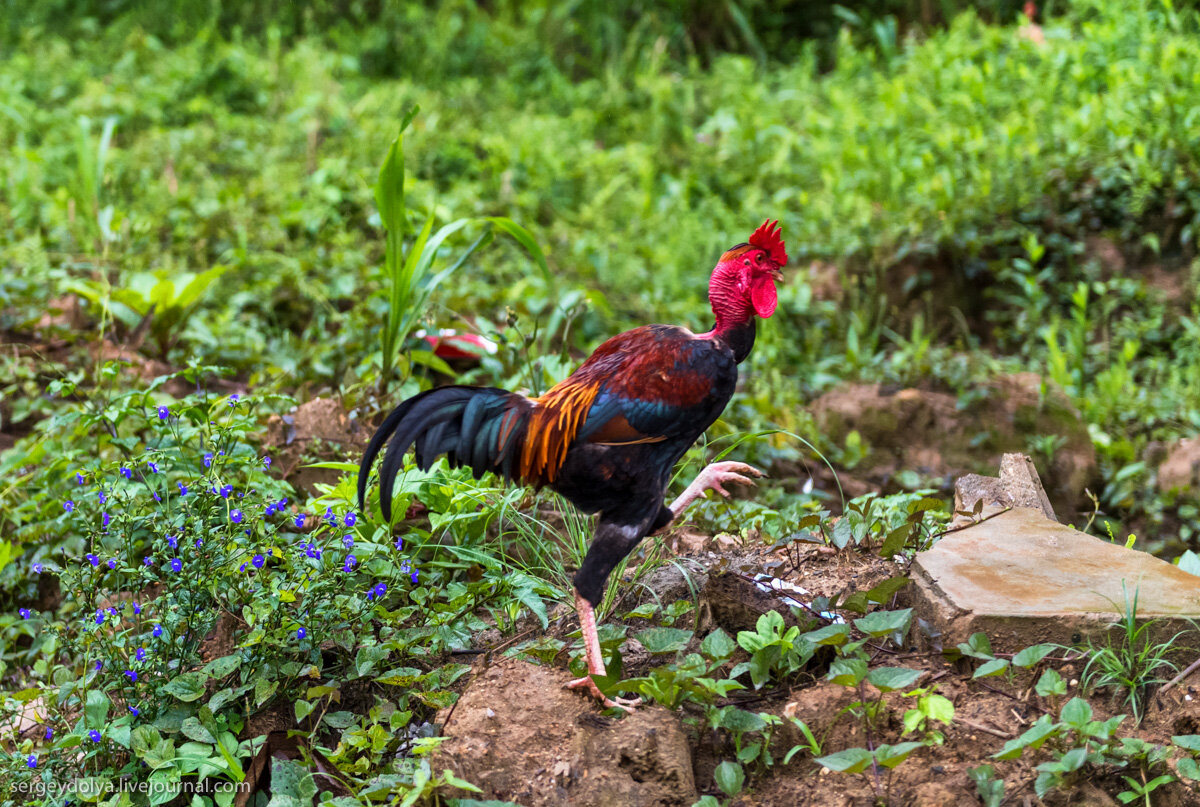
point(1022, 579)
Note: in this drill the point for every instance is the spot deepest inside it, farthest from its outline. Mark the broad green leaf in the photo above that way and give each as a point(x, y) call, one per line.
point(889, 679)
point(400, 677)
point(730, 777)
point(220, 667)
point(193, 729)
point(718, 645)
point(1190, 742)
point(889, 756)
point(884, 623)
point(1032, 655)
point(1076, 713)
point(977, 646)
point(996, 666)
point(187, 687)
point(96, 711)
point(832, 635)
point(847, 671)
point(663, 640)
point(1051, 683)
point(852, 760)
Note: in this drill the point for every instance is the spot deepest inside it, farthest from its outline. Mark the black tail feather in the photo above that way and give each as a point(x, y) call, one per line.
point(464, 423)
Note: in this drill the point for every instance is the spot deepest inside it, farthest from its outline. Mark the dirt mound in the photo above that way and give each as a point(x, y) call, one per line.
point(926, 431)
point(319, 430)
point(519, 735)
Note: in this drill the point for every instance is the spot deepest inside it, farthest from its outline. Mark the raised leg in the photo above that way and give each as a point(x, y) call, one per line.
point(595, 662)
point(714, 477)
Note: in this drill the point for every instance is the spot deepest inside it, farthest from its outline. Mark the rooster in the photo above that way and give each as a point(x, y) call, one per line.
point(608, 437)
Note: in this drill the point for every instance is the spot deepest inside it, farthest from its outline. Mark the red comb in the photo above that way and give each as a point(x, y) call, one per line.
point(767, 237)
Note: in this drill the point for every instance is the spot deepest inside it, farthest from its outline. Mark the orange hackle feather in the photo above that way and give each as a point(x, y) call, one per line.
point(553, 424)
point(767, 237)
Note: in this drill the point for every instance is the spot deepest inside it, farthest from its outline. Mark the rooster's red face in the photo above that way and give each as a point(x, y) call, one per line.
point(759, 274)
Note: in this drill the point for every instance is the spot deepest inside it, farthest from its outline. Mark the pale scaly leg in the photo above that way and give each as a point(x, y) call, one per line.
point(714, 477)
point(595, 661)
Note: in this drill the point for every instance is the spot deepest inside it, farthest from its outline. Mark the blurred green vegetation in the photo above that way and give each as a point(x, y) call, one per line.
point(949, 175)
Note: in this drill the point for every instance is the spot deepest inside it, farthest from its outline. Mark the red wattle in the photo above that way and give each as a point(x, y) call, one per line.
point(764, 297)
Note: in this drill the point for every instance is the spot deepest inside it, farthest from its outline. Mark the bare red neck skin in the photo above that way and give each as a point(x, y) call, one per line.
point(730, 304)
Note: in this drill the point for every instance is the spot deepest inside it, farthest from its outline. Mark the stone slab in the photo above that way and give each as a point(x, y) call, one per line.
point(1022, 579)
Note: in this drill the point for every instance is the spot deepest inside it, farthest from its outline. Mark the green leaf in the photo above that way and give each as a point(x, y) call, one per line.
point(889, 679)
point(187, 687)
point(977, 646)
point(193, 729)
point(367, 657)
point(1037, 734)
point(889, 756)
point(1032, 655)
point(832, 635)
point(1190, 742)
point(220, 667)
point(847, 672)
point(400, 677)
point(884, 623)
point(1051, 683)
point(663, 640)
point(852, 760)
point(996, 666)
point(730, 777)
point(717, 645)
point(1076, 713)
point(895, 541)
point(303, 709)
point(1188, 768)
point(739, 721)
point(96, 711)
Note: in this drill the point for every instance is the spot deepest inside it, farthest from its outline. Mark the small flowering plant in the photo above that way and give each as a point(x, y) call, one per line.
point(182, 538)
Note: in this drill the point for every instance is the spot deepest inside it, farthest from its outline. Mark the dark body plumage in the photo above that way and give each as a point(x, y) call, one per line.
point(607, 438)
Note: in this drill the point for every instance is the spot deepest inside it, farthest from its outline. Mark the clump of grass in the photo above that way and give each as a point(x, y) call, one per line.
point(1132, 663)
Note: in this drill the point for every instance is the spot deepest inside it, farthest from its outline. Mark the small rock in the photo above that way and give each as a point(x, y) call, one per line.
point(1180, 471)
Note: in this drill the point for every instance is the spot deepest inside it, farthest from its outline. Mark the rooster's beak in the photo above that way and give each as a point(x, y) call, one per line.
point(777, 275)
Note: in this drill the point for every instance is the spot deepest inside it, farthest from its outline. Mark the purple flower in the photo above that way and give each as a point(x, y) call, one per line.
point(153, 466)
point(350, 520)
point(199, 543)
point(163, 413)
point(37, 568)
point(141, 654)
point(208, 460)
point(399, 544)
point(132, 676)
point(233, 399)
point(79, 478)
point(105, 519)
point(147, 561)
point(158, 630)
point(350, 561)
point(137, 609)
point(135, 711)
point(157, 498)
point(300, 521)
point(49, 733)
point(95, 735)
point(173, 541)
point(112, 563)
point(102, 495)
point(24, 612)
point(348, 541)
point(92, 559)
point(176, 565)
point(258, 561)
point(31, 761)
point(226, 490)
point(68, 505)
point(127, 473)
point(381, 589)
point(99, 621)
point(112, 610)
point(267, 462)
point(99, 665)
point(301, 633)
point(270, 509)
point(236, 516)
point(182, 488)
